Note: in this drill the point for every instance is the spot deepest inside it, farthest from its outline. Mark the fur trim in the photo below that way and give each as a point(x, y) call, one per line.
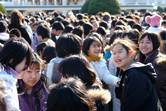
point(100, 94)
point(161, 63)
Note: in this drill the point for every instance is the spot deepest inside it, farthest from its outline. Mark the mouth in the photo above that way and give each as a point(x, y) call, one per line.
point(33, 81)
point(118, 61)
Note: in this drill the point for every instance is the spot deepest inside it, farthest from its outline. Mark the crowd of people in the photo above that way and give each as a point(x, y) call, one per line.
point(81, 62)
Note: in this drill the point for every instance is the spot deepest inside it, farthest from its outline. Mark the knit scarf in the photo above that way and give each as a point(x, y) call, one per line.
point(92, 57)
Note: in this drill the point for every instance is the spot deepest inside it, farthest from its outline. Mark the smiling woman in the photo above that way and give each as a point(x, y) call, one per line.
point(136, 91)
point(149, 47)
point(31, 88)
point(92, 49)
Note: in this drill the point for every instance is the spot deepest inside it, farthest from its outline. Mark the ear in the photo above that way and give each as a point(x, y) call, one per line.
point(131, 53)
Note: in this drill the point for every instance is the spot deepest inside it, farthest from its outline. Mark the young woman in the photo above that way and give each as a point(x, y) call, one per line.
point(16, 21)
point(136, 90)
point(70, 95)
point(32, 87)
point(92, 48)
point(15, 57)
point(66, 45)
point(149, 47)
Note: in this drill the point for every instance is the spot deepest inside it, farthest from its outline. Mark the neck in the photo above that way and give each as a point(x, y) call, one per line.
point(45, 39)
point(129, 63)
point(28, 89)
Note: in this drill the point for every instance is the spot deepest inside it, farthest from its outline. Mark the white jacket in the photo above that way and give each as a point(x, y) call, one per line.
point(155, 29)
point(102, 72)
point(10, 93)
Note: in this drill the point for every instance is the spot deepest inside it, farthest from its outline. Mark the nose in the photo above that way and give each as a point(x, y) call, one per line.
point(33, 75)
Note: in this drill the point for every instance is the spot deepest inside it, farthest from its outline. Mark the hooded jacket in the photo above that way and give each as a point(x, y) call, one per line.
point(36, 101)
point(137, 90)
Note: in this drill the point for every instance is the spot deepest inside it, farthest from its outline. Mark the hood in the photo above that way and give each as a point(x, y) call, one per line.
point(99, 95)
point(56, 60)
point(161, 62)
point(146, 69)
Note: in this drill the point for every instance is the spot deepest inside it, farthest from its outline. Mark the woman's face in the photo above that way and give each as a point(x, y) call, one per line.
point(20, 68)
point(120, 57)
point(32, 76)
point(145, 46)
point(95, 48)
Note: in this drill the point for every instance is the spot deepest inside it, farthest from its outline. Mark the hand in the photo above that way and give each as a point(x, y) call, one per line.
point(118, 83)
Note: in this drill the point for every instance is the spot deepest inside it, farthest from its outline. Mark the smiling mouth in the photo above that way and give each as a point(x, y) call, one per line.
point(118, 61)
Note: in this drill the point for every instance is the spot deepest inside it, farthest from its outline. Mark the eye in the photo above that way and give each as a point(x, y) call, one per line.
point(113, 53)
point(29, 71)
point(38, 72)
point(149, 42)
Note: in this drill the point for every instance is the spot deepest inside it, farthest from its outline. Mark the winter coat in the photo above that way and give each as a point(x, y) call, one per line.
point(158, 61)
point(161, 80)
point(113, 69)
point(10, 94)
point(137, 92)
point(36, 101)
point(52, 73)
point(102, 72)
point(152, 57)
point(100, 97)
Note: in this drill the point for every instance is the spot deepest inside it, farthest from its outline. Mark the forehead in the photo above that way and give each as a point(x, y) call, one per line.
point(117, 47)
point(35, 66)
point(146, 38)
point(95, 42)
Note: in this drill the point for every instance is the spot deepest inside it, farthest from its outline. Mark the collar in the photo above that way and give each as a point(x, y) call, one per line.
point(36, 88)
point(92, 57)
point(151, 55)
point(10, 70)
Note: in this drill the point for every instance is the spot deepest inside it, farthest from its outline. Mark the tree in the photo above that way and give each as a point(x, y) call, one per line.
point(84, 8)
point(2, 9)
point(95, 6)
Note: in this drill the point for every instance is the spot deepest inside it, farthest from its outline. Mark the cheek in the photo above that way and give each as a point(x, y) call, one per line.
point(38, 77)
point(151, 47)
point(25, 76)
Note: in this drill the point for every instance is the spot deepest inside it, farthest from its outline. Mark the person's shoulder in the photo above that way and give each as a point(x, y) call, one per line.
point(161, 62)
point(102, 60)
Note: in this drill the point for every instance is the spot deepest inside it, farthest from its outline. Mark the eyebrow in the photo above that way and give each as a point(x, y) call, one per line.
point(118, 49)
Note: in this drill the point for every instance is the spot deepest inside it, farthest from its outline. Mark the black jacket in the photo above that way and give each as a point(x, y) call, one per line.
point(137, 90)
point(23, 31)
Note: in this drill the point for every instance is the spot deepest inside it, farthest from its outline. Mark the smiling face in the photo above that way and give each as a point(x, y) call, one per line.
point(145, 46)
point(32, 76)
point(95, 48)
point(121, 58)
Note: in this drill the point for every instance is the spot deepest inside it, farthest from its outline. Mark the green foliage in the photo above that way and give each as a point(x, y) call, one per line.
point(95, 6)
point(84, 8)
point(160, 9)
point(2, 9)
